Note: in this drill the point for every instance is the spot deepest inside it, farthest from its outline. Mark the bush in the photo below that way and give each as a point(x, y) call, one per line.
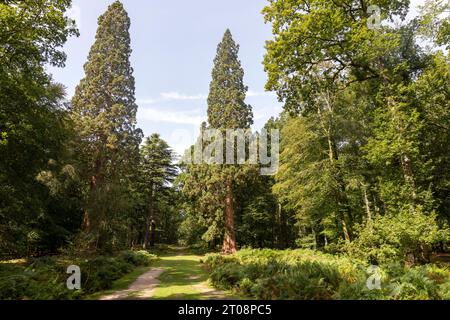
point(227, 276)
point(444, 290)
point(45, 278)
point(309, 280)
point(274, 274)
point(307, 274)
point(138, 258)
point(103, 271)
point(40, 280)
point(405, 236)
point(98, 274)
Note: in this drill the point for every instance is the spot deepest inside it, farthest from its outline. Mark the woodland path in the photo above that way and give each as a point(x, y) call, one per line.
point(178, 275)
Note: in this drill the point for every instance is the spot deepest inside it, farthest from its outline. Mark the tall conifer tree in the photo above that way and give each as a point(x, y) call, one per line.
point(214, 186)
point(226, 101)
point(104, 112)
point(227, 110)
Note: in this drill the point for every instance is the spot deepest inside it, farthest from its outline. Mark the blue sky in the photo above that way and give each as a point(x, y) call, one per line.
point(174, 43)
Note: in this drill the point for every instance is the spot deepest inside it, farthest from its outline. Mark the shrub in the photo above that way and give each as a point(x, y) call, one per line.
point(45, 278)
point(40, 280)
point(444, 291)
point(400, 283)
point(227, 276)
point(246, 286)
point(98, 274)
point(404, 236)
point(138, 258)
point(307, 274)
point(309, 280)
point(101, 272)
point(273, 274)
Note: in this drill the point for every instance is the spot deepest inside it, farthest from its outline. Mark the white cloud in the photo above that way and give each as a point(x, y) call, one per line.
point(178, 96)
point(177, 117)
point(172, 96)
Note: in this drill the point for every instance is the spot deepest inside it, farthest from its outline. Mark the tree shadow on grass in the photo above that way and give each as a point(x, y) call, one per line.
point(184, 278)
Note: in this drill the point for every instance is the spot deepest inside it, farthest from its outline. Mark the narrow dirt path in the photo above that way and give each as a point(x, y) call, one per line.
point(176, 276)
point(142, 288)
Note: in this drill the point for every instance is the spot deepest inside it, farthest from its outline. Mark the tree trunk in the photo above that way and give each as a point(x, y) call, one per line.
point(148, 223)
point(86, 227)
point(367, 203)
point(314, 236)
point(342, 200)
point(341, 197)
point(229, 239)
point(152, 233)
point(92, 195)
point(345, 230)
point(281, 232)
point(405, 159)
point(408, 174)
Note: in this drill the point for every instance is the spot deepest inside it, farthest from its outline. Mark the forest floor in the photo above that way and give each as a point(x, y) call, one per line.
point(177, 275)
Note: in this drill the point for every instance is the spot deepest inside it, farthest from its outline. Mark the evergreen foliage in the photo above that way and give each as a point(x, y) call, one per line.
point(104, 114)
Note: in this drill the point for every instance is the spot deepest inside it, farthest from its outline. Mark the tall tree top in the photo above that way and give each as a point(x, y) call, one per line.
point(226, 102)
point(109, 56)
point(104, 106)
point(109, 85)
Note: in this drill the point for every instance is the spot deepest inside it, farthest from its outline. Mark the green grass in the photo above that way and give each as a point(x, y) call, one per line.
point(183, 278)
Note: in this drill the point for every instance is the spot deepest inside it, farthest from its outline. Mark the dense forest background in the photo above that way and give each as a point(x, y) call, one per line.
point(364, 158)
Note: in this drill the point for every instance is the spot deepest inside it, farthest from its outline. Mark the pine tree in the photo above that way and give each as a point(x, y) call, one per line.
point(157, 173)
point(104, 112)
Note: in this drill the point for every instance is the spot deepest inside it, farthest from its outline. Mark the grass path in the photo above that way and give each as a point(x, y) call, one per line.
point(178, 275)
point(120, 285)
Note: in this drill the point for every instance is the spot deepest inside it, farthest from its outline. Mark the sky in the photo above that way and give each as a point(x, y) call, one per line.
point(174, 43)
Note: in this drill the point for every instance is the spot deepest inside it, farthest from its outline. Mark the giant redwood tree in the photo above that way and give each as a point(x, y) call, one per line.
point(227, 110)
point(104, 114)
point(213, 186)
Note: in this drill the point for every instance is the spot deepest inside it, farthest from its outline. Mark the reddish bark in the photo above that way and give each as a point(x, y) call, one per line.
point(229, 239)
